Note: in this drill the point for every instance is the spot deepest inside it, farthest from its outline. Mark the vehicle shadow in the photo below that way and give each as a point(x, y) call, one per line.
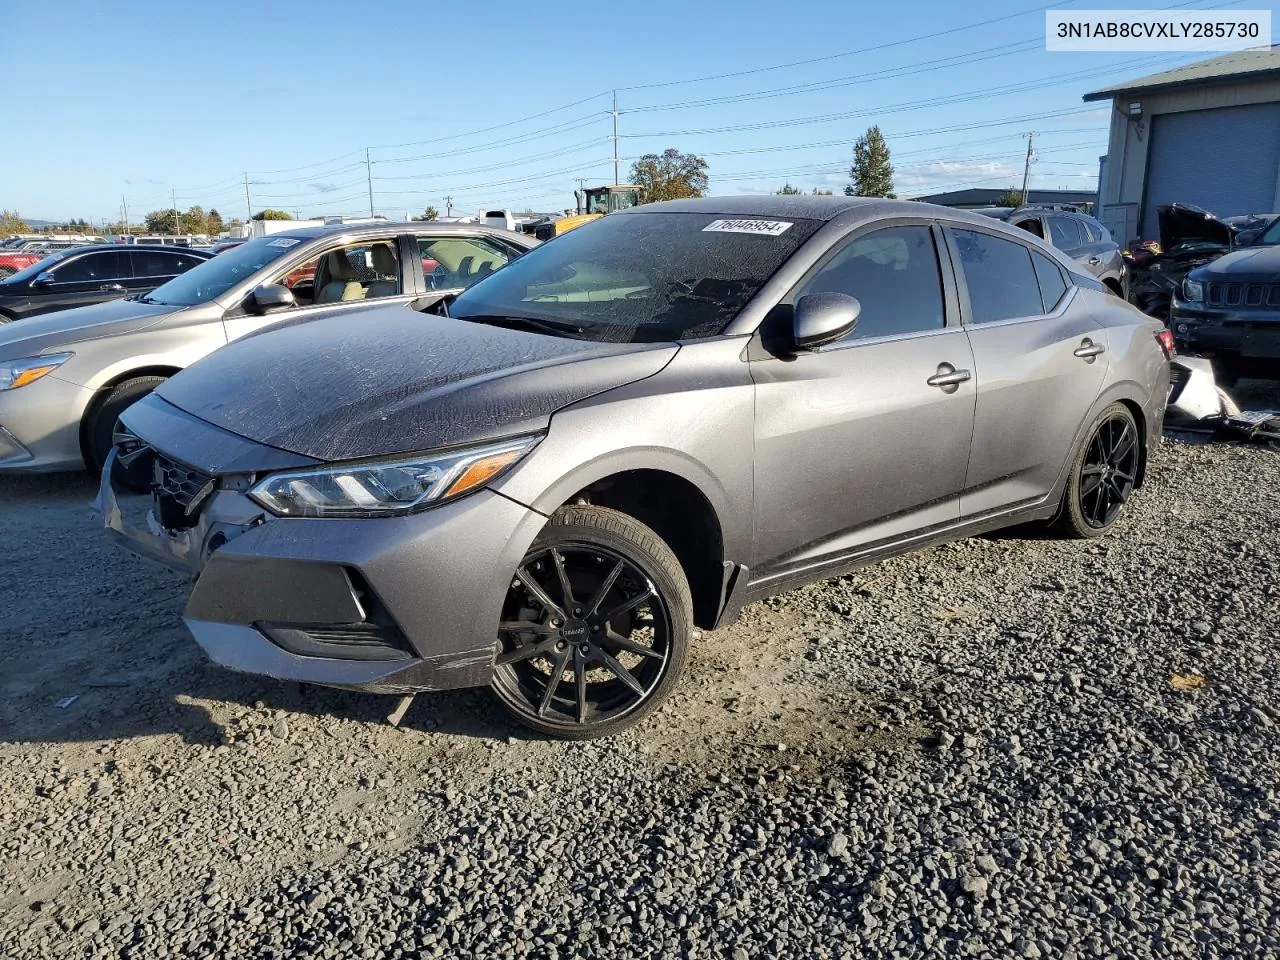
point(48, 488)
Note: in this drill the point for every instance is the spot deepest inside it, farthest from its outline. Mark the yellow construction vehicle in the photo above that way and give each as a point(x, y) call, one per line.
point(592, 203)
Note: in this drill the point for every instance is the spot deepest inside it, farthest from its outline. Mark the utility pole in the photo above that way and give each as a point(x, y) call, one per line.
point(448, 206)
point(615, 138)
point(124, 209)
point(248, 207)
point(1026, 167)
point(177, 220)
point(368, 169)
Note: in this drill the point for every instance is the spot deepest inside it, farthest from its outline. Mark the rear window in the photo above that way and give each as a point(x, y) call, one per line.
point(1001, 280)
point(642, 277)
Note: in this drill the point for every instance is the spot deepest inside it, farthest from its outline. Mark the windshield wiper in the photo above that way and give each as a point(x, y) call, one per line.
point(553, 327)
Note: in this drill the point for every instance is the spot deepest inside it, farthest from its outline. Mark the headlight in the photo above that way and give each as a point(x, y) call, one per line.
point(1192, 290)
point(387, 487)
point(18, 373)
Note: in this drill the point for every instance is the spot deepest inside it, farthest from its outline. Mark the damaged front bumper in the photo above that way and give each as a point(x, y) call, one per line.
point(388, 605)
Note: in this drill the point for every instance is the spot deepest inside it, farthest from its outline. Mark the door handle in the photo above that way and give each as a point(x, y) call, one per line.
point(112, 288)
point(1088, 350)
point(948, 378)
point(1094, 261)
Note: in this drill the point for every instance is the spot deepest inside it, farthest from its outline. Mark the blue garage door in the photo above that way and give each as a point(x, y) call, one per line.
point(1223, 160)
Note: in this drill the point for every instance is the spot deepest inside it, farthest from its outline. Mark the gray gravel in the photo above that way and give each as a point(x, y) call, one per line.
point(1003, 747)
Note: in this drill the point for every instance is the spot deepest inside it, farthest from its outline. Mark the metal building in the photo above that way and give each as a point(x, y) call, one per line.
point(1207, 133)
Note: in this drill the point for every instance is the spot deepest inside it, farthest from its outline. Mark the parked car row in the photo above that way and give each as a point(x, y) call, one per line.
point(1079, 236)
point(541, 468)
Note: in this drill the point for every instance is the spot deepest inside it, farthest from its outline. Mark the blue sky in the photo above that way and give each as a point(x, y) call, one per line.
point(144, 97)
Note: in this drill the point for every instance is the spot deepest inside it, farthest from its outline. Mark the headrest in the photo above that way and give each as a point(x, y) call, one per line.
point(384, 261)
point(340, 267)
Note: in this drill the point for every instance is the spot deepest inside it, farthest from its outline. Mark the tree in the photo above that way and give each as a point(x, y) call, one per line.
point(789, 191)
point(431, 213)
point(871, 173)
point(193, 221)
point(160, 221)
point(270, 214)
point(670, 176)
point(821, 193)
point(10, 222)
point(213, 222)
point(1012, 197)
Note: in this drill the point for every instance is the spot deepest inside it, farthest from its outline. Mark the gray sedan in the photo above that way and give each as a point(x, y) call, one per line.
point(66, 377)
point(628, 434)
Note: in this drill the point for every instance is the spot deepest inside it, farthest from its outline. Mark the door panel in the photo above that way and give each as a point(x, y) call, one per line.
point(1032, 394)
point(95, 277)
point(853, 446)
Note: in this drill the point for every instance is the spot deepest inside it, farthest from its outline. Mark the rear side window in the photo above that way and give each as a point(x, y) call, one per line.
point(894, 275)
point(1065, 232)
point(1001, 280)
point(449, 262)
point(108, 265)
point(1052, 286)
point(1097, 232)
point(158, 263)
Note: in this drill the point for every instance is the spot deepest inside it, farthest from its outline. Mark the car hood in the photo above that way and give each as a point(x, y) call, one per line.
point(1186, 223)
point(1252, 264)
point(29, 336)
point(390, 380)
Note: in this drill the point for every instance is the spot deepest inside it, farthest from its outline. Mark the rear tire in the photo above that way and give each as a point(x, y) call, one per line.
point(601, 598)
point(100, 427)
point(1103, 475)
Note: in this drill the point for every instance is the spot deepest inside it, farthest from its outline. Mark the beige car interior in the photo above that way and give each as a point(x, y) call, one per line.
point(338, 281)
point(462, 261)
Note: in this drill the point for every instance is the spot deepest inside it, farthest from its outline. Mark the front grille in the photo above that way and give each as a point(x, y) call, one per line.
point(186, 485)
point(179, 492)
point(1243, 295)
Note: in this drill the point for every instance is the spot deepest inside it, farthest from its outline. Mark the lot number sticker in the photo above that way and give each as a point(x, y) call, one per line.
point(283, 242)
point(768, 228)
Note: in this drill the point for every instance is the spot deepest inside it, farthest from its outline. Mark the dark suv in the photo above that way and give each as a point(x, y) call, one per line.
point(85, 275)
point(1079, 236)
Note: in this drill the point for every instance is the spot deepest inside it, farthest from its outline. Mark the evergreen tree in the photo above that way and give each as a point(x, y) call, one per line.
point(872, 173)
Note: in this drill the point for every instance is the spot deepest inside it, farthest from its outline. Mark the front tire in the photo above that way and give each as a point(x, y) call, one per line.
point(100, 428)
point(1103, 475)
point(595, 626)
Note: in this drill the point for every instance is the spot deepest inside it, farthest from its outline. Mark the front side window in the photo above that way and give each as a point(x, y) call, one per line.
point(1001, 280)
point(1269, 237)
point(894, 275)
point(368, 270)
point(452, 262)
point(214, 277)
point(1065, 233)
point(641, 277)
point(108, 265)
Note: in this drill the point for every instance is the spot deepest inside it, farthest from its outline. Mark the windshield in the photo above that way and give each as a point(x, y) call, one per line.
point(216, 276)
point(1269, 237)
point(642, 277)
point(40, 266)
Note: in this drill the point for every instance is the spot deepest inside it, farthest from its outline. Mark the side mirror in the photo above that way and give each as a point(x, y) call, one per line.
point(270, 297)
point(822, 318)
point(43, 279)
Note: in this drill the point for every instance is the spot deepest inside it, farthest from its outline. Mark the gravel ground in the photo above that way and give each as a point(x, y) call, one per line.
point(1008, 746)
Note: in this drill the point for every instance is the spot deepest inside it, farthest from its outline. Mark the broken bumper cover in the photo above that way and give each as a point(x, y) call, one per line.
point(387, 605)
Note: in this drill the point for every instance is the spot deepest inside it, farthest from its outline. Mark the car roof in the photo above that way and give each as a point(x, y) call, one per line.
point(167, 248)
point(382, 226)
point(848, 209)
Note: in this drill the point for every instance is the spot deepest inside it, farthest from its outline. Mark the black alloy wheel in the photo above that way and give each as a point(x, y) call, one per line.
point(594, 626)
point(1104, 474)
